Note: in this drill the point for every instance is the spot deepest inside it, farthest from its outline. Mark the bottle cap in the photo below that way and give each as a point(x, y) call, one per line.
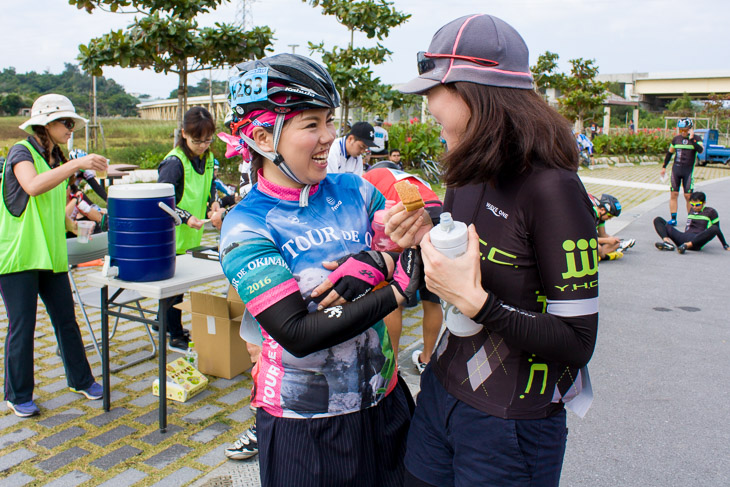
point(449, 236)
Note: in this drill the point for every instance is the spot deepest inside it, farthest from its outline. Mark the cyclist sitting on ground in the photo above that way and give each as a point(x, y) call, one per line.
point(585, 149)
point(685, 146)
point(609, 247)
point(703, 224)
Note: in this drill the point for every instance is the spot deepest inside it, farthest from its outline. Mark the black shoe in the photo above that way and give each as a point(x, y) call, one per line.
point(682, 248)
point(664, 245)
point(179, 344)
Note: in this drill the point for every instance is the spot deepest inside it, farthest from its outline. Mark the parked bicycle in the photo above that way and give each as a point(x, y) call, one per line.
point(429, 168)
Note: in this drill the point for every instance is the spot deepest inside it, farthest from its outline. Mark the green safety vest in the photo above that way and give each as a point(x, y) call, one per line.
point(194, 199)
point(37, 238)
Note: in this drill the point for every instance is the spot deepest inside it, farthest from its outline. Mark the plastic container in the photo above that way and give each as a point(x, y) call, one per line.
point(141, 233)
point(380, 240)
point(191, 355)
point(84, 229)
point(451, 238)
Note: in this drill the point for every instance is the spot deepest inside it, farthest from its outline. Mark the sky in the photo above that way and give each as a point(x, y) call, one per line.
point(622, 36)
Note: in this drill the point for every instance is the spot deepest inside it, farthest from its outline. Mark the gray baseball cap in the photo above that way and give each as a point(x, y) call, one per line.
point(478, 49)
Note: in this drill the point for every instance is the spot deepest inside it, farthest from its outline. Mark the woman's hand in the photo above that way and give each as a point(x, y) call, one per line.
point(92, 161)
point(457, 281)
point(406, 228)
point(196, 223)
point(353, 276)
point(216, 218)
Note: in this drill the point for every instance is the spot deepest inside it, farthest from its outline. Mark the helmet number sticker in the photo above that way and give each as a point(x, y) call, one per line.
point(249, 87)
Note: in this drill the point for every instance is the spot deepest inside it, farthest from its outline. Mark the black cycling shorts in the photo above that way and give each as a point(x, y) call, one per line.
point(682, 175)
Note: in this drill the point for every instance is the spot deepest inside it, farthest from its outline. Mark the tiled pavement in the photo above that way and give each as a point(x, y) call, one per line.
point(73, 442)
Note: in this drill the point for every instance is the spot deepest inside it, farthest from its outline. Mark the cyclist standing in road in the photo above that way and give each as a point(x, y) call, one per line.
point(685, 148)
point(330, 409)
point(703, 224)
point(491, 410)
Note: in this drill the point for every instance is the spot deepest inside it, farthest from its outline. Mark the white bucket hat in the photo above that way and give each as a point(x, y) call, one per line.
point(48, 108)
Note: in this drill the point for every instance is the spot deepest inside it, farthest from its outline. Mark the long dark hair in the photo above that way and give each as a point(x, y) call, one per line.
point(509, 130)
point(197, 123)
point(53, 151)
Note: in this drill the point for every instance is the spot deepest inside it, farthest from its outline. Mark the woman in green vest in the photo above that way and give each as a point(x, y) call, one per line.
point(189, 167)
point(34, 260)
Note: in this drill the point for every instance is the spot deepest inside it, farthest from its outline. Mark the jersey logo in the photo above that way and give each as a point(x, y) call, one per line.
point(496, 211)
point(333, 312)
point(588, 268)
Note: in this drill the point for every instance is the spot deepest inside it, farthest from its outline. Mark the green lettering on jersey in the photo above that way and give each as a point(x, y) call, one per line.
point(533, 369)
point(587, 268)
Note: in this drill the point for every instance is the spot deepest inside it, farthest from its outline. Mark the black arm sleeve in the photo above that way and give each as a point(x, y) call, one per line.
point(171, 171)
point(697, 143)
point(302, 333)
point(667, 158)
point(567, 340)
point(98, 189)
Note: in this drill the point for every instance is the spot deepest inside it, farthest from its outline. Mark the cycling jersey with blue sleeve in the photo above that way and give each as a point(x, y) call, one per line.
point(313, 363)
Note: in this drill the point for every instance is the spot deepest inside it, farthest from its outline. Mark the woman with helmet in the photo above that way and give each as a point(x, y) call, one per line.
point(491, 410)
point(189, 168)
point(330, 408)
point(685, 148)
point(33, 227)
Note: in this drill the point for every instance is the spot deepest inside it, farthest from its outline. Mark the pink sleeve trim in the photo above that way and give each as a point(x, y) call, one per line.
point(272, 296)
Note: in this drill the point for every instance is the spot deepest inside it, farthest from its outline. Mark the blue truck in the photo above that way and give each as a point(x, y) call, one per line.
point(713, 152)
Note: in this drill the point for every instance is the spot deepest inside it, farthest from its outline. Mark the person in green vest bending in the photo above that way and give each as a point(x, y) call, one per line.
point(34, 260)
point(189, 167)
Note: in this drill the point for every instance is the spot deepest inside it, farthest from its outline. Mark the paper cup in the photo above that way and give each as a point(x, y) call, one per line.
point(84, 229)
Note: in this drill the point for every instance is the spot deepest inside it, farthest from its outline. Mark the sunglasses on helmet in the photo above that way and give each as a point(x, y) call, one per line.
point(426, 60)
point(67, 122)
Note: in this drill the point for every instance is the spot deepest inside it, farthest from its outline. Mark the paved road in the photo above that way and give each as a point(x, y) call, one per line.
point(660, 369)
point(661, 414)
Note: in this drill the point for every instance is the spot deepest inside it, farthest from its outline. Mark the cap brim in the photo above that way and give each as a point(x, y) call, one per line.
point(418, 85)
point(369, 143)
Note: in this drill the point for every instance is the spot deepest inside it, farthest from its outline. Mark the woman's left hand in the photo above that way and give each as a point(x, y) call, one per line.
point(457, 281)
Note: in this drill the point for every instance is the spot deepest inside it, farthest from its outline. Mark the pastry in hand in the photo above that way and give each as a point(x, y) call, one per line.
point(409, 195)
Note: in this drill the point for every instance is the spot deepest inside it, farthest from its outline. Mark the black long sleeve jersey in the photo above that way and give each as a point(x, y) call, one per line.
point(539, 264)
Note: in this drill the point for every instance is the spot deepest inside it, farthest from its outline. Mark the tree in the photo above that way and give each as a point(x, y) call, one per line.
point(350, 67)
point(167, 39)
point(716, 110)
point(681, 107)
point(203, 88)
point(582, 94)
point(11, 103)
point(545, 72)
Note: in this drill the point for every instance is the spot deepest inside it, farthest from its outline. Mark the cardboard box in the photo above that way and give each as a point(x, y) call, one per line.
point(216, 323)
point(183, 381)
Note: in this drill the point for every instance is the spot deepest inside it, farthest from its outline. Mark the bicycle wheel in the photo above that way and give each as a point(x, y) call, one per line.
point(430, 171)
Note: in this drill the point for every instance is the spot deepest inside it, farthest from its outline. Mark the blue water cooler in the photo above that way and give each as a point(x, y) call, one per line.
point(142, 231)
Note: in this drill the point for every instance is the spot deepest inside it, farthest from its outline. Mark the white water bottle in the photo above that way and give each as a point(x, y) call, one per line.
point(451, 238)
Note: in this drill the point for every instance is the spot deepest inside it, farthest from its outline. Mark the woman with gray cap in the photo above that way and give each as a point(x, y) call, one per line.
point(33, 227)
point(492, 405)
